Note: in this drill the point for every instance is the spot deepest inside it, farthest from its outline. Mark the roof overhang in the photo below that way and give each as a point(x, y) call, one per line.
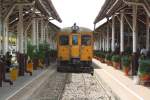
point(112, 6)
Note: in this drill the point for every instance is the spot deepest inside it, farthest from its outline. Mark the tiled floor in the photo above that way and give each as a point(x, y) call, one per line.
point(123, 86)
point(6, 90)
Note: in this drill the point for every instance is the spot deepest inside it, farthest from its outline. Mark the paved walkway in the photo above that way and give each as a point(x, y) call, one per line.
point(7, 90)
point(122, 86)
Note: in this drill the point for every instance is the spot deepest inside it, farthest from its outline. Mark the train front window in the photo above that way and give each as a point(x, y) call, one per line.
point(75, 39)
point(86, 40)
point(64, 40)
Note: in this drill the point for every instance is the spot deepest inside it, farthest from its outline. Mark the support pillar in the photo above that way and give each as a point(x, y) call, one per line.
point(5, 38)
point(20, 30)
point(25, 43)
point(134, 56)
point(100, 43)
point(147, 33)
point(1, 27)
point(103, 39)
point(134, 29)
point(106, 42)
point(20, 44)
point(46, 33)
point(34, 32)
point(122, 33)
point(1, 72)
point(113, 34)
point(42, 32)
point(37, 33)
point(108, 38)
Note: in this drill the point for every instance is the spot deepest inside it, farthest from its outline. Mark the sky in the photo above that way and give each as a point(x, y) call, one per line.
point(83, 12)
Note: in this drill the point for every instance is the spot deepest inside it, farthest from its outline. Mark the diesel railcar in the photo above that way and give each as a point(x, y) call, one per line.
point(75, 49)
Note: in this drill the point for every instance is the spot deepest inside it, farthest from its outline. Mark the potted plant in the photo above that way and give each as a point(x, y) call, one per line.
point(116, 61)
point(102, 57)
point(126, 64)
point(108, 59)
point(144, 70)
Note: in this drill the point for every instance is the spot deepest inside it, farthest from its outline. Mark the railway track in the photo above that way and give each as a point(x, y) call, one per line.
point(63, 87)
point(70, 86)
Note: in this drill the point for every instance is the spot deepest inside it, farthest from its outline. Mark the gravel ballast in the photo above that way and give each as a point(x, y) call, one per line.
point(62, 86)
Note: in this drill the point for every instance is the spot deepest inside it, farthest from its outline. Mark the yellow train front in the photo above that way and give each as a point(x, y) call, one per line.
point(75, 50)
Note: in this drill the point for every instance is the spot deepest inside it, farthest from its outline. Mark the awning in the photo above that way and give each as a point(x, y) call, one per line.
point(112, 6)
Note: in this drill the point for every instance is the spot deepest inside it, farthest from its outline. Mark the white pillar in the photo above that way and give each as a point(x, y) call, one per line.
point(42, 32)
point(147, 33)
point(25, 43)
point(103, 42)
point(113, 34)
point(106, 42)
point(17, 44)
point(45, 31)
point(34, 31)
point(1, 30)
point(20, 30)
point(108, 37)
point(134, 29)
point(100, 43)
point(122, 32)
point(5, 37)
point(37, 33)
point(46, 34)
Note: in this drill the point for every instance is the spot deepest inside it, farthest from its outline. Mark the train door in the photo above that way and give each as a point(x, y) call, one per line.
point(75, 47)
point(86, 47)
point(63, 47)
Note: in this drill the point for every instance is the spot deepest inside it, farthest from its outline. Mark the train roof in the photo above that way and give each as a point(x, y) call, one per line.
point(81, 29)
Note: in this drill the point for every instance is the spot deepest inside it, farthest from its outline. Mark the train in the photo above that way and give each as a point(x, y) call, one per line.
point(75, 50)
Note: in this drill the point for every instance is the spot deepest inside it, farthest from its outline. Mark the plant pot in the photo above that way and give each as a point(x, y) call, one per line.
point(126, 71)
point(116, 65)
point(110, 63)
point(145, 77)
point(102, 60)
point(30, 67)
point(14, 74)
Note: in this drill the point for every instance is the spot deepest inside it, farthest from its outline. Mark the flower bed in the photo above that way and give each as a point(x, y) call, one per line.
point(126, 64)
point(116, 61)
point(144, 70)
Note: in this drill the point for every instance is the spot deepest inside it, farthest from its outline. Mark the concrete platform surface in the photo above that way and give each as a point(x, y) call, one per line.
point(8, 90)
point(120, 85)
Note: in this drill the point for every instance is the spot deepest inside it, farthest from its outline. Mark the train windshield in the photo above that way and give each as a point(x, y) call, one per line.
point(86, 40)
point(75, 39)
point(64, 40)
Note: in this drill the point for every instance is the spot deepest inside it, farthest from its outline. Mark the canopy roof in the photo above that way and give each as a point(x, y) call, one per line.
point(113, 6)
point(45, 7)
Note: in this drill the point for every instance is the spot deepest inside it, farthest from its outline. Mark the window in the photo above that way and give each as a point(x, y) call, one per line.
point(75, 39)
point(86, 40)
point(64, 40)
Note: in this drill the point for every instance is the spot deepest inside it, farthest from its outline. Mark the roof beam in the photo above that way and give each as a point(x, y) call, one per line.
point(45, 7)
point(138, 4)
point(13, 7)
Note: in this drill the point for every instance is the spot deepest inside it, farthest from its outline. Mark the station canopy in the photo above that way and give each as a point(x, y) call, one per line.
point(41, 8)
point(113, 6)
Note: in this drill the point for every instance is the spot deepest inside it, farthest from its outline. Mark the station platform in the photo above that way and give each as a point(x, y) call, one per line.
point(8, 90)
point(121, 86)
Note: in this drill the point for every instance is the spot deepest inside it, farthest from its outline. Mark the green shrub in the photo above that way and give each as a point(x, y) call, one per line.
point(31, 51)
point(144, 66)
point(126, 61)
point(116, 58)
point(41, 51)
point(108, 57)
point(99, 54)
